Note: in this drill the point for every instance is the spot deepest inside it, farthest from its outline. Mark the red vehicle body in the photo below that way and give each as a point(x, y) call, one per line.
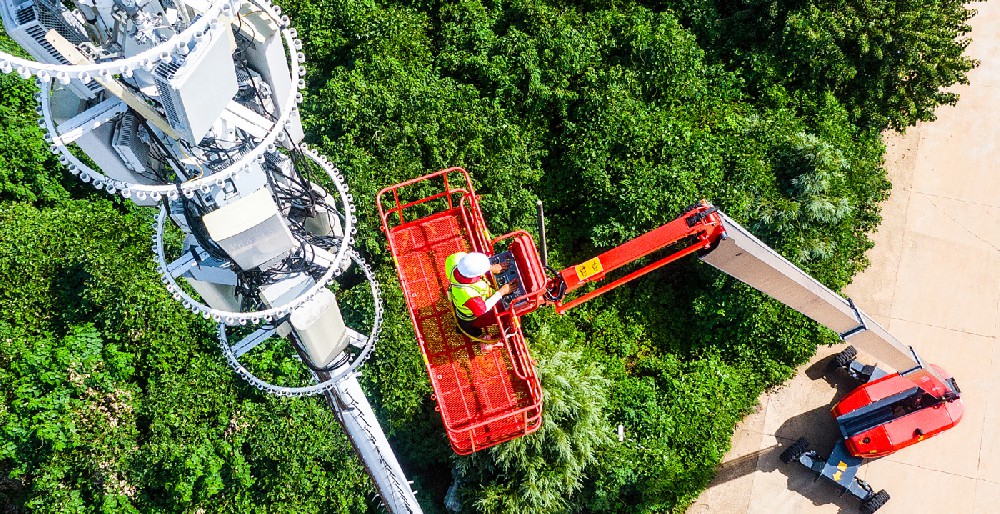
point(893, 412)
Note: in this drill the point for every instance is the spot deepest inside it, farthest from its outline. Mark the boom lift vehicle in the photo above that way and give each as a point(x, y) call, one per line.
point(489, 398)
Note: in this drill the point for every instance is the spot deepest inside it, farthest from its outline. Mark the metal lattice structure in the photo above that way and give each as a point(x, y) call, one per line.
point(192, 106)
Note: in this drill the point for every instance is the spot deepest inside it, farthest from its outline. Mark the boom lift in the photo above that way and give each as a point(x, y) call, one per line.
point(486, 399)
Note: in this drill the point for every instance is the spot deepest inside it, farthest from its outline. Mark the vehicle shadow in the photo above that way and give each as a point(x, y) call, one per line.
point(819, 428)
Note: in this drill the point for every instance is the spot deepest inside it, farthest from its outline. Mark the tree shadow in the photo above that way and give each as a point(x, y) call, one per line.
point(740, 466)
point(69, 287)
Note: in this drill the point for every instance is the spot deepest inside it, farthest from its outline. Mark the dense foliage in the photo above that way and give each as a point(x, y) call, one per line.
point(115, 399)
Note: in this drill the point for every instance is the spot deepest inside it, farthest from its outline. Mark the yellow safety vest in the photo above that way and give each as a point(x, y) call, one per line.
point(461, 293)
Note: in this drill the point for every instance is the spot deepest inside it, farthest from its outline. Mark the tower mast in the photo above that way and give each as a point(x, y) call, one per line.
point(192, 107)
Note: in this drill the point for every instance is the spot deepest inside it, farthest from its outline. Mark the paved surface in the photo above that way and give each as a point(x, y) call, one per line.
point(934, 282)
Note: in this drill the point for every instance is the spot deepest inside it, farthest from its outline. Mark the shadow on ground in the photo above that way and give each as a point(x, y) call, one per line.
point(819, 428)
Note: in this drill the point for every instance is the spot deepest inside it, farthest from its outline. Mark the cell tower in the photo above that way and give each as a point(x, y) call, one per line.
point(192, 106)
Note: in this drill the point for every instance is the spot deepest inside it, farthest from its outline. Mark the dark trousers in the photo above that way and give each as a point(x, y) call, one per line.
point(469, 327)
point(474, 328)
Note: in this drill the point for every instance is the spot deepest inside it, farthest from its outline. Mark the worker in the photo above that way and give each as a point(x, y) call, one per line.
point(471, 294)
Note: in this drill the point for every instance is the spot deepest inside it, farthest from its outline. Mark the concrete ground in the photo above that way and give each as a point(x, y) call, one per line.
point(934, 282)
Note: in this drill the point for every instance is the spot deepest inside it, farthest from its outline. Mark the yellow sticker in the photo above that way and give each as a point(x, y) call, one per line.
point(589, 268)
point(837, 475)
point(842, 466)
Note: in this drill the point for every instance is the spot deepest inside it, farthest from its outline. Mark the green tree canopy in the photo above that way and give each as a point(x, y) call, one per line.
point(616, 115)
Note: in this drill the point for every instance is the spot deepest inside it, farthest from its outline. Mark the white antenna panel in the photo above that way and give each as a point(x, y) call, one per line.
point(196, 90)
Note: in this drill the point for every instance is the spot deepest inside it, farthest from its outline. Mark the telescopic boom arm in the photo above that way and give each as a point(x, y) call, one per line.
point(726, 245)
point(697, 229)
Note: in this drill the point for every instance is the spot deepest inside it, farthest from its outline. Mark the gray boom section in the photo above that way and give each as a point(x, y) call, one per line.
point(749, 260)
point(355, 414)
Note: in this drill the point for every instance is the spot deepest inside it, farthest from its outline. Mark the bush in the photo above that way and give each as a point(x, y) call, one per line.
point(615, 115)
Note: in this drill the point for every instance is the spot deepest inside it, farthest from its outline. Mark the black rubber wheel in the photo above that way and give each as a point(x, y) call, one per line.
point(874, 502)
point(793, 452)
point(842, 359)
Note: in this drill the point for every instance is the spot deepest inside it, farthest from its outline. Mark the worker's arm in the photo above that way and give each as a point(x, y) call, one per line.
point(478, 306)
point(492, 300)
point(505, 290)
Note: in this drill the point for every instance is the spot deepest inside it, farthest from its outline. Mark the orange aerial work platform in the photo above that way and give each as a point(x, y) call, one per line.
point(485, 398)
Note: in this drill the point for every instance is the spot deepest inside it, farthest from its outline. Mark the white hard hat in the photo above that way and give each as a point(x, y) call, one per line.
point(473, 265)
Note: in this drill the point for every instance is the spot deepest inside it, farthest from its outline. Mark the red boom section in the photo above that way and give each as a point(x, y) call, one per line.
point(700, 227)
point(484, 399)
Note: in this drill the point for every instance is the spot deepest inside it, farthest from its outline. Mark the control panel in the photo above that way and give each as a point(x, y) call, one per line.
point(509, 274)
